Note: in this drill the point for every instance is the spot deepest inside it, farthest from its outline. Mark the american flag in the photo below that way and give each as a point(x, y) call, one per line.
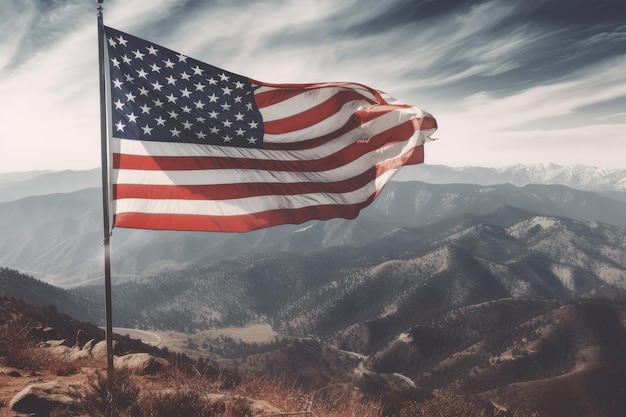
point(195, 147)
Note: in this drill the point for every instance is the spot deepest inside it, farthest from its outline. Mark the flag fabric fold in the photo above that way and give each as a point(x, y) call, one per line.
point(195, 147)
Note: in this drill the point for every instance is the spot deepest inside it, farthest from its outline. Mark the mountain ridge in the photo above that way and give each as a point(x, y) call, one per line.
point(58, 236)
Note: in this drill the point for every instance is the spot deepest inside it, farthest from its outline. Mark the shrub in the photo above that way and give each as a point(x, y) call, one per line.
point(180, 403)
point(448, 405)
point(114, 398)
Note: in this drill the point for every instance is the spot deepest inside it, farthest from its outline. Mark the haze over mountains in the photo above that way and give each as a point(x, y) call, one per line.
point(57, 236)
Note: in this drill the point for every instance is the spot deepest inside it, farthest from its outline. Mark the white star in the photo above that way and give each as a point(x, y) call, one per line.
point(239, 84)
point(181, 58)
point(212, 81)
point(128, 78)
point(223, 77)
point(120, 126)
point(227, 123)
point(213, 114)
point(171, 98)
point(152, 50)
point(173, 114)
point(227, 138)
point(160, 121)
point(111, 41)
point(175, 132)
point(239, 116)
point(213, 98)
point(117, 83)
point(201, 135)
point(185, 76)
point(126, 59)
point(156, 86)
point(158, 102)
point(185, 92)
point(214, 130)
point(186, 109)
point(138, 55)
point(115, 62)
point(227, 91)
point(132, 118)
point(147, 130)
point(142, 73)
point(168, 63)
point(251, 140)
point(249, 106)
point(171, 80)
point(155, 67)
point(238, 99)
point(225, 106)
point(121, 40)
point(145, 109)
point(197, 70)
point(199, 87)
point(143, 91)
point(199, 104)
point(240, 132)
point(187, 124)
point(130, 97)
point(118, 104)
point(200, 119)
point(253, 124)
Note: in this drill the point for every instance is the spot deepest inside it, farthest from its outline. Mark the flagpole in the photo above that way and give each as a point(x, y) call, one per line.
point(105, 194)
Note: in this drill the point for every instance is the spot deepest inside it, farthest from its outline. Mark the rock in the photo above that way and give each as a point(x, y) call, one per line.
point(99, 350)
point(14, 374)
point(141, 363)
point(88, 346)
point(81, 338)
point(42, 399)
point(69, 354)
point(59, 342)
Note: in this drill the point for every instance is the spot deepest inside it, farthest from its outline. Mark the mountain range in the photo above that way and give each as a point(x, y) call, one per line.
point(506, 293)
point(507, 308)
point(57, 237)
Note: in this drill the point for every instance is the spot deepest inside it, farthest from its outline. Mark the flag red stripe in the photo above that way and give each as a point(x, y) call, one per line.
point(242, 223)
point(315, 114)
point(281, 92)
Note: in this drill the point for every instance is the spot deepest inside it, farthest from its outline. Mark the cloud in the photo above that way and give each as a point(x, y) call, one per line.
point(498, 75)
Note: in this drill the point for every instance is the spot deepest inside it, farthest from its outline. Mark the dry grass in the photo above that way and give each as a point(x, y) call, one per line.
point(189, 388)
point(448, 405)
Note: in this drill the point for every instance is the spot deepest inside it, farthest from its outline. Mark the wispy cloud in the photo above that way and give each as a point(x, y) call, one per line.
point(503, 77)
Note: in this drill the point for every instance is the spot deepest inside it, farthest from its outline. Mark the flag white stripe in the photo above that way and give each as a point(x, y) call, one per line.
point(251, 205)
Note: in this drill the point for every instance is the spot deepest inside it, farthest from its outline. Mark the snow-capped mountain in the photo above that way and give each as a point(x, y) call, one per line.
point(581, 177)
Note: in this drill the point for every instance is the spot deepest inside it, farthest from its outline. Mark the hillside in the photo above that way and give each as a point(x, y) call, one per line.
point(65, 376)
point(404, 276)
point(561, 359)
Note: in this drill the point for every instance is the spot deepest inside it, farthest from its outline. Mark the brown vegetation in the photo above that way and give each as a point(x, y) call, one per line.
point(186, 388)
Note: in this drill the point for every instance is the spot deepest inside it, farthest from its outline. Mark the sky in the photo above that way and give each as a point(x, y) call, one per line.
point(509, 81)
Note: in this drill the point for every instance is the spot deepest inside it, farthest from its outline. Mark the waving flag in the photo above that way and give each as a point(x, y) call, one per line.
point(195, 147)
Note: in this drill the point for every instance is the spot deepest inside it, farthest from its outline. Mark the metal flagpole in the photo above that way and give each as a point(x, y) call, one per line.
point(105, 194)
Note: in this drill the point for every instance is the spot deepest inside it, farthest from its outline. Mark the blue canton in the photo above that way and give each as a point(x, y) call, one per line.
point(160, 95)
